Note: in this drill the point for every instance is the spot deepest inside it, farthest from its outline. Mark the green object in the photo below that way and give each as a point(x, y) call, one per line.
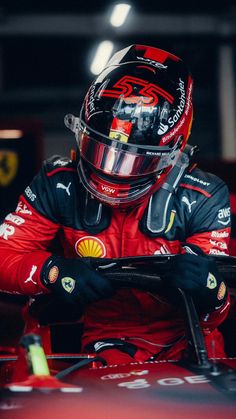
point(37, 359)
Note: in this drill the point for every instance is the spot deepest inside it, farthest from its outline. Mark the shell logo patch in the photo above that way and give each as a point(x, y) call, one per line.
point(53, 274)
point(221, 291)
point(90, 246)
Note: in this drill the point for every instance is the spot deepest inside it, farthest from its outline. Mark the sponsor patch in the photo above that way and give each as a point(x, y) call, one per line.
point(53, 274)
point(90, 246)
point(211, 281)
point(224, 216)
point(30, 194)
point(15, 219)
point(219, 234)
point(68, 284)
point(221, 291)
point(60, 162)
point(197, 180)
point(217, 252)
point(180, 108)
point(221, 245)
point(6, 230)
point(224, 212)
point(22, 208)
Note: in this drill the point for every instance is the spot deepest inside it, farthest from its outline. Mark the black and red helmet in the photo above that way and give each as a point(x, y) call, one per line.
point(135, 121)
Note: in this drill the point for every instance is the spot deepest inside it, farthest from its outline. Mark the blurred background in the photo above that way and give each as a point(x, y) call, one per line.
point(47, 53)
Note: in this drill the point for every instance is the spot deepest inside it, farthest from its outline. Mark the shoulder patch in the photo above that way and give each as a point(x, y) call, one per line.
point(202, 182)
point(59, 164)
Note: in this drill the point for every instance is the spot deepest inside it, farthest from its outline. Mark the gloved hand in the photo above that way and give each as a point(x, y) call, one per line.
point(73, 280)
point(199, 276)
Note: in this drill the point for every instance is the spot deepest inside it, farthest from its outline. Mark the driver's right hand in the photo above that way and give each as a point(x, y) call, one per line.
point(74, 281)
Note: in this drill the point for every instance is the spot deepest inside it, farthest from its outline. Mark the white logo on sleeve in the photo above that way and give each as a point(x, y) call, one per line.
point(15, 219)
point(219, 234)
point(188, 203)
point(224, 213)
point(23, 209)
point(6, 230)
point(30, 194)
point(61, 186)
point(32, 272)
point(221, 245)
point(60, 162)
point(162, 251)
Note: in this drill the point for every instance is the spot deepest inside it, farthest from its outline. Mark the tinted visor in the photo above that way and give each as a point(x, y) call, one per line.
point(116, 158)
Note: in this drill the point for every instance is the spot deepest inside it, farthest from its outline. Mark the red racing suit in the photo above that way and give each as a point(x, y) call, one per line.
point(56, 206)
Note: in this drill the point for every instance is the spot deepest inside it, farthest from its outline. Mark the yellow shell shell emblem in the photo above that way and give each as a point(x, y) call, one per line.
point(90, 246)
point(8, 166)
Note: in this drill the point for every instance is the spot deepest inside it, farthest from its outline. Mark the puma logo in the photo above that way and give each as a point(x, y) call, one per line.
point(32, 272)
point(188, 203)
point(61, 186)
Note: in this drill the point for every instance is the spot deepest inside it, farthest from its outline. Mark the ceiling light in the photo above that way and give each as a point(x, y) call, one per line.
point(10, 134)
point(102, 56)
point(119, 14)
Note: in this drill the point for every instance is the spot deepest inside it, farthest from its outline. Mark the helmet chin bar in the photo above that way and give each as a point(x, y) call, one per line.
point(116, 194)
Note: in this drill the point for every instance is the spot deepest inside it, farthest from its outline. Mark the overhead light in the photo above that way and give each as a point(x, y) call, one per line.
point(102, 56)
point(119, 14)
point(10, 134)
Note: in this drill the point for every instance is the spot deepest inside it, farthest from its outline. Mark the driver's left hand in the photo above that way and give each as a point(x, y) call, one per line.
point(199, 276)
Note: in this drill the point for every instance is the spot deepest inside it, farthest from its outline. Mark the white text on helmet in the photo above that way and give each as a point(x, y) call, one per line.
point(152, 62)
point(181, 104)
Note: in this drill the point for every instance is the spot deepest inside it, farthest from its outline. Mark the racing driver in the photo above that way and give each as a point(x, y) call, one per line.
point(130, 189)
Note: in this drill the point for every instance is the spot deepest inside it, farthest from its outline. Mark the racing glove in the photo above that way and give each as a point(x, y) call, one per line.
point(199, 276)
point(74, 281)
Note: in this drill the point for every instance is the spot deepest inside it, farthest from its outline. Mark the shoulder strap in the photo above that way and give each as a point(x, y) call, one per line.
point(95, 217)
point(157, 214)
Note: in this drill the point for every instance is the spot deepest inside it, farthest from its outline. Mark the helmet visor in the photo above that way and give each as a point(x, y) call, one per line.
point(117, 158)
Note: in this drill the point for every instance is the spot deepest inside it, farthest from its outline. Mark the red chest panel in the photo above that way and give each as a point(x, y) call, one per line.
point(122, 238)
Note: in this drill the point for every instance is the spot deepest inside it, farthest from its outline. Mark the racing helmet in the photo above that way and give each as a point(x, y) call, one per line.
point(133, 125)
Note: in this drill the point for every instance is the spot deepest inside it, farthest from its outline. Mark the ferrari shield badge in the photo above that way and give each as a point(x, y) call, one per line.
point(68, 284)
point(9, 163)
